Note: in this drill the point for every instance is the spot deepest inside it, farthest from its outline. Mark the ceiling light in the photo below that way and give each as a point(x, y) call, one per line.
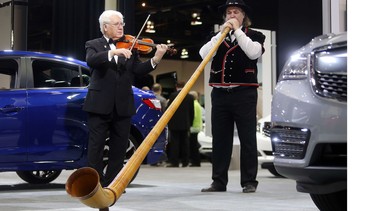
point(196, 19)
point(184, 53)
point(150, 27)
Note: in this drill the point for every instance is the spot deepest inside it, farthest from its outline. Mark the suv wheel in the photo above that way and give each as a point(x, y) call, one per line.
point(39, 177)
point(330, 202)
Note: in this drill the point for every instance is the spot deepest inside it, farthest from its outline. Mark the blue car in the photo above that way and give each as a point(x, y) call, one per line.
point(43, 129)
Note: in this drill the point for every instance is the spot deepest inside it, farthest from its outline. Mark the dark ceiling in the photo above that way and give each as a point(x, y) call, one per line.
point(63, 26)
point(172, 20)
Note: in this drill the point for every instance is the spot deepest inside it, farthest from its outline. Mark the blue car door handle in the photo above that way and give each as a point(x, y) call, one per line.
point(11, 109)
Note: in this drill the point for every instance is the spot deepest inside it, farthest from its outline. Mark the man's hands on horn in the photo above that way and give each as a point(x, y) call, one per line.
point(232, 23)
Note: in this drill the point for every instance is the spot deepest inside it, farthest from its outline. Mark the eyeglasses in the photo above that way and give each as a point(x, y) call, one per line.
point(117, 24)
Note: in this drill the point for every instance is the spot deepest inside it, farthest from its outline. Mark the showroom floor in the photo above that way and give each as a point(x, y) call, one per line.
point(161, 188)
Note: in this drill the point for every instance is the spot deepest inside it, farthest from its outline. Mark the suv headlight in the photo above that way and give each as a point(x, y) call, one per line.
point(295, 68)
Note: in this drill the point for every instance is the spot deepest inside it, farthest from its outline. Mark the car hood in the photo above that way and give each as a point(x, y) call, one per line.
point(323, 40)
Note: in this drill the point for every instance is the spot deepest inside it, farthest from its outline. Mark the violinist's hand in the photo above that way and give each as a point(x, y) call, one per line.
point(232, 23)
point(121, 52)
point(160, 51)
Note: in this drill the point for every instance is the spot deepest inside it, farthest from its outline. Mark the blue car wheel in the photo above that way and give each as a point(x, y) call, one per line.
point(39, 177)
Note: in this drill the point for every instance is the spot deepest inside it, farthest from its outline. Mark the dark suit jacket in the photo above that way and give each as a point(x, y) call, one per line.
point(182, 119)
point(111, 84)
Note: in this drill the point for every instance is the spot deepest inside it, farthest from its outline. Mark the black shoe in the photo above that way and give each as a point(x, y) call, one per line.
point(249, 189)
point(195, 165)
point(185, 165)
point(172, 166)
point(214, 189)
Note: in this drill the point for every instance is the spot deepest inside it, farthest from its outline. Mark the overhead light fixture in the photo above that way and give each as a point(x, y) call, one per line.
point(184, 53)
point(196, 19)
point(150, 27)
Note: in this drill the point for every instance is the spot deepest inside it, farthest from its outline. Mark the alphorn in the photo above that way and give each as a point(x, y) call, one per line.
point(84, 183)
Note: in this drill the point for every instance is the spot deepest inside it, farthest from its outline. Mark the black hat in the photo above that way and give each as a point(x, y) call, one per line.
point(235, 3)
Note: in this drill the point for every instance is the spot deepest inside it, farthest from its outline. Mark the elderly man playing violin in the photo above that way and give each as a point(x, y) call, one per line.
point(109, 101)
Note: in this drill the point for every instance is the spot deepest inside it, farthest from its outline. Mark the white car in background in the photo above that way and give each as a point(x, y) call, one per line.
point(264, 145)
point(206, 145)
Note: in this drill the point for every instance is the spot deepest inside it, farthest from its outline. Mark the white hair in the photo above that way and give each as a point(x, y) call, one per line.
point(105, 18)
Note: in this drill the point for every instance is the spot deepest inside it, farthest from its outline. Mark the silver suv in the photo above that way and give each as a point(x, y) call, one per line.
point(309, 121)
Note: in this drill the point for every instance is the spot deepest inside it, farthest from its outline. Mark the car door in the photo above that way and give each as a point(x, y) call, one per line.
point(57, 125)
point(13, 147)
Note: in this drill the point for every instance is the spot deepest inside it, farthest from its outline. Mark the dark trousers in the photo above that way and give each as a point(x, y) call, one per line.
point(195, 157)
point(229, 108)
point(178, 147)
point(100, 128)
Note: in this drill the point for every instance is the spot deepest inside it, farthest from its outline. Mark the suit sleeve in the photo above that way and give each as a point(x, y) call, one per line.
point(95, 58)
point(141, 68)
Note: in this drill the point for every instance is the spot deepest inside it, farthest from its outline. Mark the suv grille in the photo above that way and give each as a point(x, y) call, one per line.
point(329, 72)
point(289, 142)
point(332, 85)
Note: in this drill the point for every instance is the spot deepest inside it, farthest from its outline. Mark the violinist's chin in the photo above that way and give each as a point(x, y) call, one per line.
point(119, 35)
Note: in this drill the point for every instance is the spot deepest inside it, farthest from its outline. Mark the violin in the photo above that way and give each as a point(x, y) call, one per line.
point(144, 45)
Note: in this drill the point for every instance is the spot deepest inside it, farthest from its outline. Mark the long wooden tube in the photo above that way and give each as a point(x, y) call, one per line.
point(84, 183)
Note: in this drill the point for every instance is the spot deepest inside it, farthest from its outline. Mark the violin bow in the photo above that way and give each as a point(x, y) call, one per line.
point(140, 31)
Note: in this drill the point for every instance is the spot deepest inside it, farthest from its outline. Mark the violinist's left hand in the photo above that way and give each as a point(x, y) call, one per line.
point(160, 51)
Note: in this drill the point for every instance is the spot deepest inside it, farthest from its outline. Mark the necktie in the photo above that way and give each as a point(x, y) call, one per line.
point(231, 35)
